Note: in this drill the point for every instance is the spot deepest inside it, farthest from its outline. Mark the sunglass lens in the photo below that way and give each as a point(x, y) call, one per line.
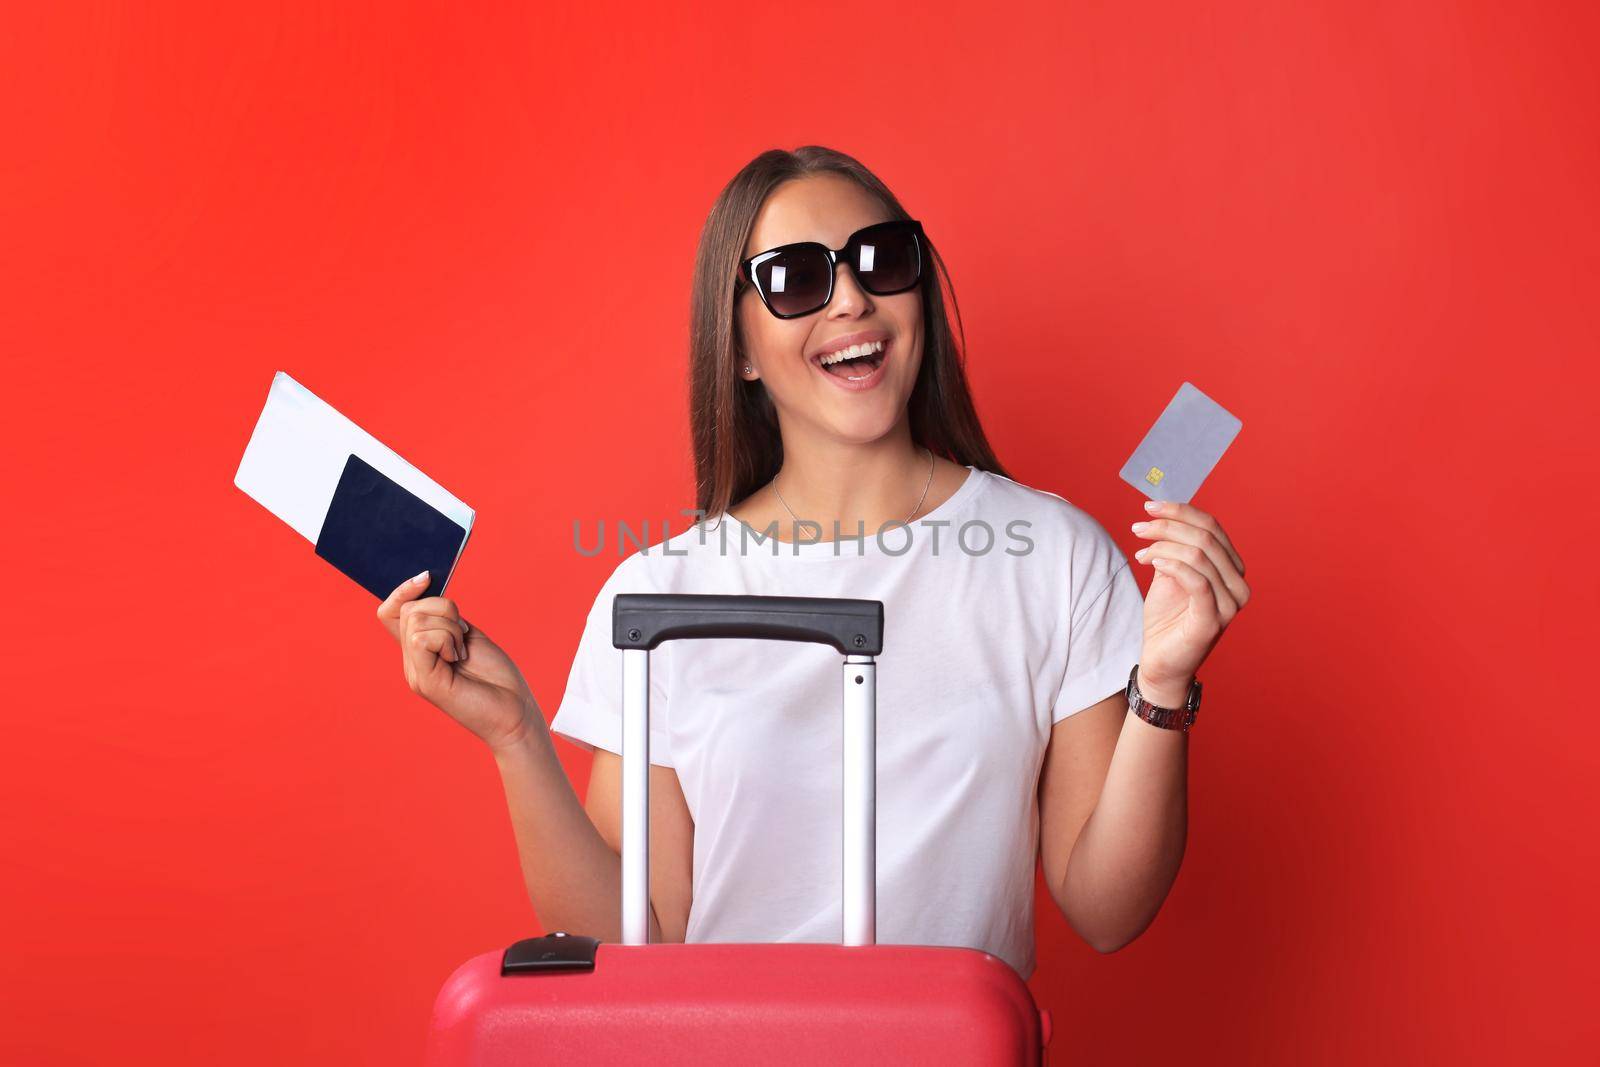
point(795, 282)
point(887, 259)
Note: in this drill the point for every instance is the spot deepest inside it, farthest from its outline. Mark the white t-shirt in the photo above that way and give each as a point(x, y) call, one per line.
point(983, 652)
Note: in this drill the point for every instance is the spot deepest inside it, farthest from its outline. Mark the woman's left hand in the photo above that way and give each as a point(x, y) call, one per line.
point(1197, 590)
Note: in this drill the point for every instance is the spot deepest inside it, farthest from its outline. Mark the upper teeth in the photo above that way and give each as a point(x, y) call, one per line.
point(852, 352)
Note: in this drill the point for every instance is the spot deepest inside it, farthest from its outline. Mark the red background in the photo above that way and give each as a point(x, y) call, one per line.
point(232, 832)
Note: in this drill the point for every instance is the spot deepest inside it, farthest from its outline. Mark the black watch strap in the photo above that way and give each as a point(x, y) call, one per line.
point(1166, 718)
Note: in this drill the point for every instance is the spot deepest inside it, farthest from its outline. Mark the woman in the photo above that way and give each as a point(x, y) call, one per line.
point(838, 453)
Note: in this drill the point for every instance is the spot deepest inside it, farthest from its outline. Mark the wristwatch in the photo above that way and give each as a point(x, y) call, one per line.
point(1166, 718)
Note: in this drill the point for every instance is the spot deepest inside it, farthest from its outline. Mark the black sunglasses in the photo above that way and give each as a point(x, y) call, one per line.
point(797, 279)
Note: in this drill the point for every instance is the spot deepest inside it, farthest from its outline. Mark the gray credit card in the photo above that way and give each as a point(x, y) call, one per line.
point(1182, 447)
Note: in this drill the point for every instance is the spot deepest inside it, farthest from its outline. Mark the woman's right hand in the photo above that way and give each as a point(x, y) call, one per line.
point(454, 666)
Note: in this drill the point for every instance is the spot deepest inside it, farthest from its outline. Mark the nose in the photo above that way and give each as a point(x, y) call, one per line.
point(849, 299)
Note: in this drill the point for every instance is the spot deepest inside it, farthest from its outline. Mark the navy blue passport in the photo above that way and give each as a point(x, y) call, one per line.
point(380, 534)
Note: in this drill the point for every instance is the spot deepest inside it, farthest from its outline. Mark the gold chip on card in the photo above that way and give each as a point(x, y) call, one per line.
point(1155, 476)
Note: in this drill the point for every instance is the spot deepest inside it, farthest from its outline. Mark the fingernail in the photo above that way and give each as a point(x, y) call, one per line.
point(1151, 505)
point(419, 579)
point(1140, 527)
point(1139, 555)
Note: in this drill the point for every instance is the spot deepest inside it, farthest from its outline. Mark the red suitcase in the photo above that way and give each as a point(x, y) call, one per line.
point(570, 999)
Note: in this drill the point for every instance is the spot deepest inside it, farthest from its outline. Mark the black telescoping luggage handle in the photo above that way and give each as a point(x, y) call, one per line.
point(644, 620)
point(641, 621)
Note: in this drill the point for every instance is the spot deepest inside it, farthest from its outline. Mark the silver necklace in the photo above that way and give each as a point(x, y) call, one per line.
point(908, 518)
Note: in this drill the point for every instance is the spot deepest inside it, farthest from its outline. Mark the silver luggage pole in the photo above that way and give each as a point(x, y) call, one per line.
point(635, 796)
point(860, 861)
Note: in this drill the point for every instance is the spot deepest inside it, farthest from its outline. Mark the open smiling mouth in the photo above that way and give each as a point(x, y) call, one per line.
point(856, 363)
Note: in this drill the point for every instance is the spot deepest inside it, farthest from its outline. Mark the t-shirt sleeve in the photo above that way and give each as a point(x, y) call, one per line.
point(590, 714)
point(1107, 631)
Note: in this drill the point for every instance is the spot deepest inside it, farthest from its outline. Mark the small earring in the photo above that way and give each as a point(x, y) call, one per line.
point(747, 368)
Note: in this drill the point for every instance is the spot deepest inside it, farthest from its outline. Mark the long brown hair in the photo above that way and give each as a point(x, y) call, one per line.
point(737, 447)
